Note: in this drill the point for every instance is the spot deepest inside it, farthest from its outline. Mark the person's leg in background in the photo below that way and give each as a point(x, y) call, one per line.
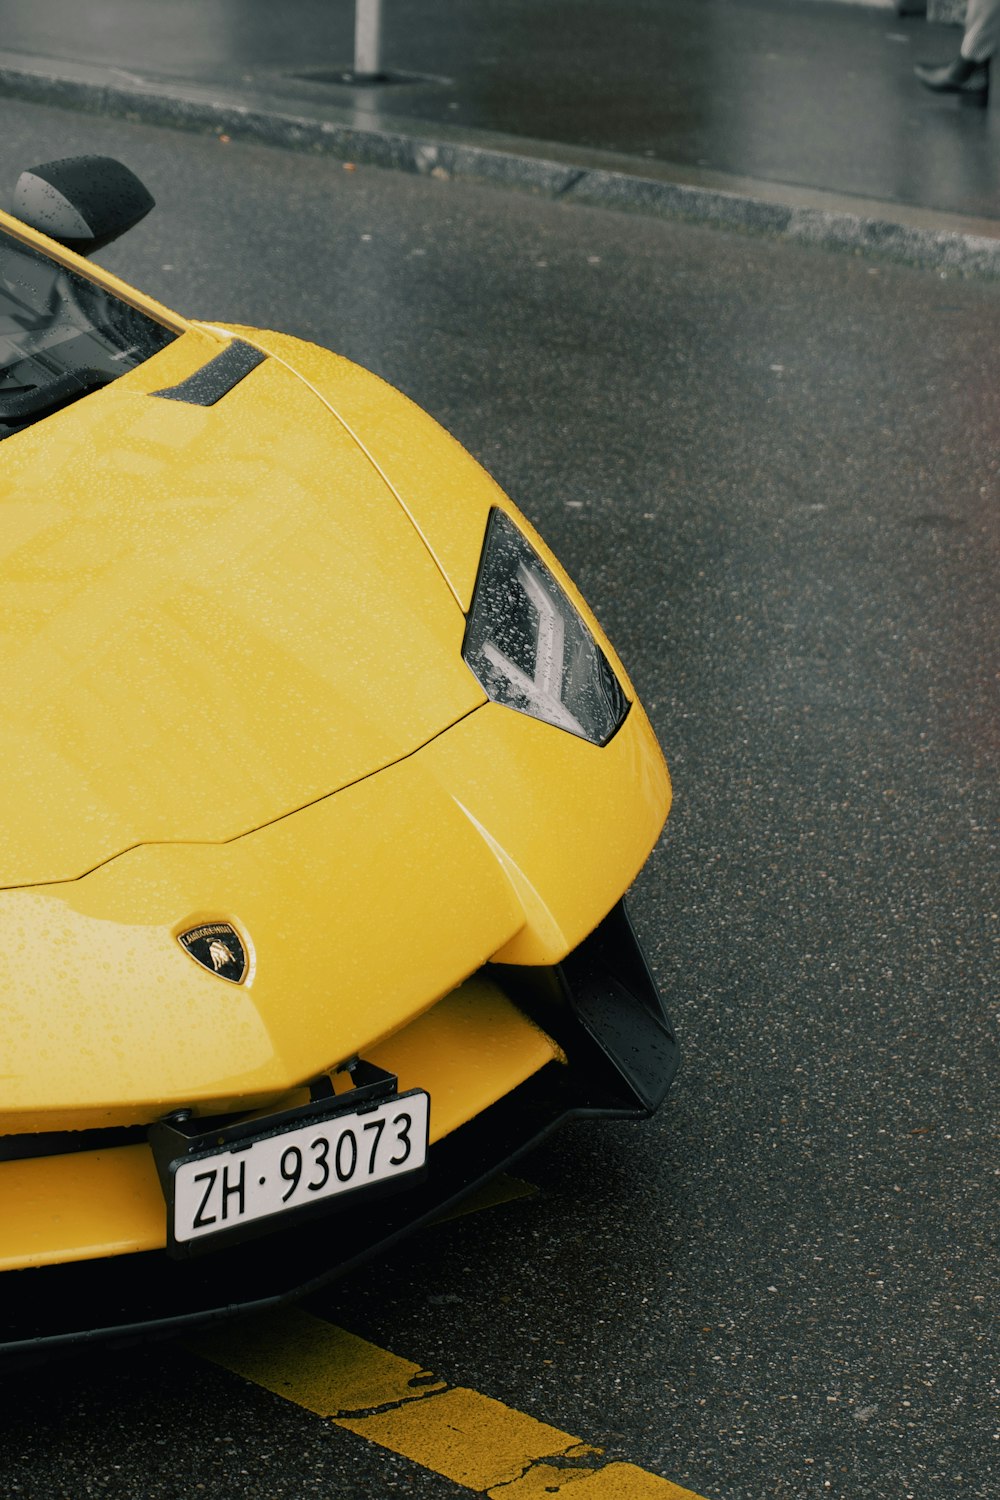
point(969, 72)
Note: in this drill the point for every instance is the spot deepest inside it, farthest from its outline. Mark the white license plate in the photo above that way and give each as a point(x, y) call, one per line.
point(279, 1173)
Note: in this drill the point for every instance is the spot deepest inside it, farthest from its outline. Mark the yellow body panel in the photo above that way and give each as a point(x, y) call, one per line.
point(502, 838)
point(445, 492)
point(209, 616)
point(467, 1052)
point(570, 824)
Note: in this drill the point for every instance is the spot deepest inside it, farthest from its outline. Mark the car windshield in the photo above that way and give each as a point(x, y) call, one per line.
point(61, 336)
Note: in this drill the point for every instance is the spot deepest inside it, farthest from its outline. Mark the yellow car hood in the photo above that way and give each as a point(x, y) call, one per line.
point(211, 616)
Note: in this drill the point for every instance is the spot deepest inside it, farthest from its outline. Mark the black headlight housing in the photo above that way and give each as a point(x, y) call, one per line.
point(528, 646)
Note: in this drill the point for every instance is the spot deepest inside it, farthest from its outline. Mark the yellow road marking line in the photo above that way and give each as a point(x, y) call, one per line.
point(469, 1438)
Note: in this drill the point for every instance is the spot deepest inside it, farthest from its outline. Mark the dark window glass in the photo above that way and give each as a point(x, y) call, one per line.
point(61, 336)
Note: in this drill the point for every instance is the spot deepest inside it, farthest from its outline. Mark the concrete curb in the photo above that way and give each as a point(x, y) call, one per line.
point(917, 237)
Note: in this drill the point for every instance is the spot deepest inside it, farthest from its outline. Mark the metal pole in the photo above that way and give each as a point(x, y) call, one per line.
point(368, 39)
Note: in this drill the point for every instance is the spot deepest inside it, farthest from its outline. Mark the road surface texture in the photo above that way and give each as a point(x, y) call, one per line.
point(811, 95)
point(774, 472)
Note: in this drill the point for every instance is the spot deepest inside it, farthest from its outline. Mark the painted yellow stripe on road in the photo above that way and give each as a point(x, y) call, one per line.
point(467, 1437)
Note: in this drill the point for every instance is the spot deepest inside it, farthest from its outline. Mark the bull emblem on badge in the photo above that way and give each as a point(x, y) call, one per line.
point(220, 954)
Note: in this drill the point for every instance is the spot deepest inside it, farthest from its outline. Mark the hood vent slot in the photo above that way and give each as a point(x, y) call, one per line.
point(216, 379)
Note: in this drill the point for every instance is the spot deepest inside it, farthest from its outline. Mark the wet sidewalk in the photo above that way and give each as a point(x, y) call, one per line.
point(784, 101)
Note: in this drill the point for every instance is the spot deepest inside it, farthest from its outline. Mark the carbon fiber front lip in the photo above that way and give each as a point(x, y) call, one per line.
point(604, 1010)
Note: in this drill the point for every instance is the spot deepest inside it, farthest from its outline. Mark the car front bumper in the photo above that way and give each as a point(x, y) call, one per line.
point(600, 1008)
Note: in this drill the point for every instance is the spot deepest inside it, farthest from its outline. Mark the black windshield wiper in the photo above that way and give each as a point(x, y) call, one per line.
point(19, 407)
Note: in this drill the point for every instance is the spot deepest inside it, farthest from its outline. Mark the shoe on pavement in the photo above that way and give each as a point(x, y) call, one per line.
point(958, 77)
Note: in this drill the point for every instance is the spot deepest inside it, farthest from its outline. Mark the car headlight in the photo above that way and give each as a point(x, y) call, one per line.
point(528, 646)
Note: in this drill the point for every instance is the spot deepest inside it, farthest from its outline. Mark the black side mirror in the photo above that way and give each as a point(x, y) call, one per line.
point(84, 202)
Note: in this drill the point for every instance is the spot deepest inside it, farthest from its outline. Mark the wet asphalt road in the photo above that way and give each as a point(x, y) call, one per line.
point(774, 472)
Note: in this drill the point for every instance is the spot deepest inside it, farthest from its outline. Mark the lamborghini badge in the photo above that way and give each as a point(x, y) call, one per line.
point(217, 947)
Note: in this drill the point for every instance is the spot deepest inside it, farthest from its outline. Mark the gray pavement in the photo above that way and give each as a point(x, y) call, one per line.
point(774, 472)
point(796, 117)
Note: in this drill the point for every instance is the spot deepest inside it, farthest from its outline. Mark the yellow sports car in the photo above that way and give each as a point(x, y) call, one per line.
point(321, 789)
